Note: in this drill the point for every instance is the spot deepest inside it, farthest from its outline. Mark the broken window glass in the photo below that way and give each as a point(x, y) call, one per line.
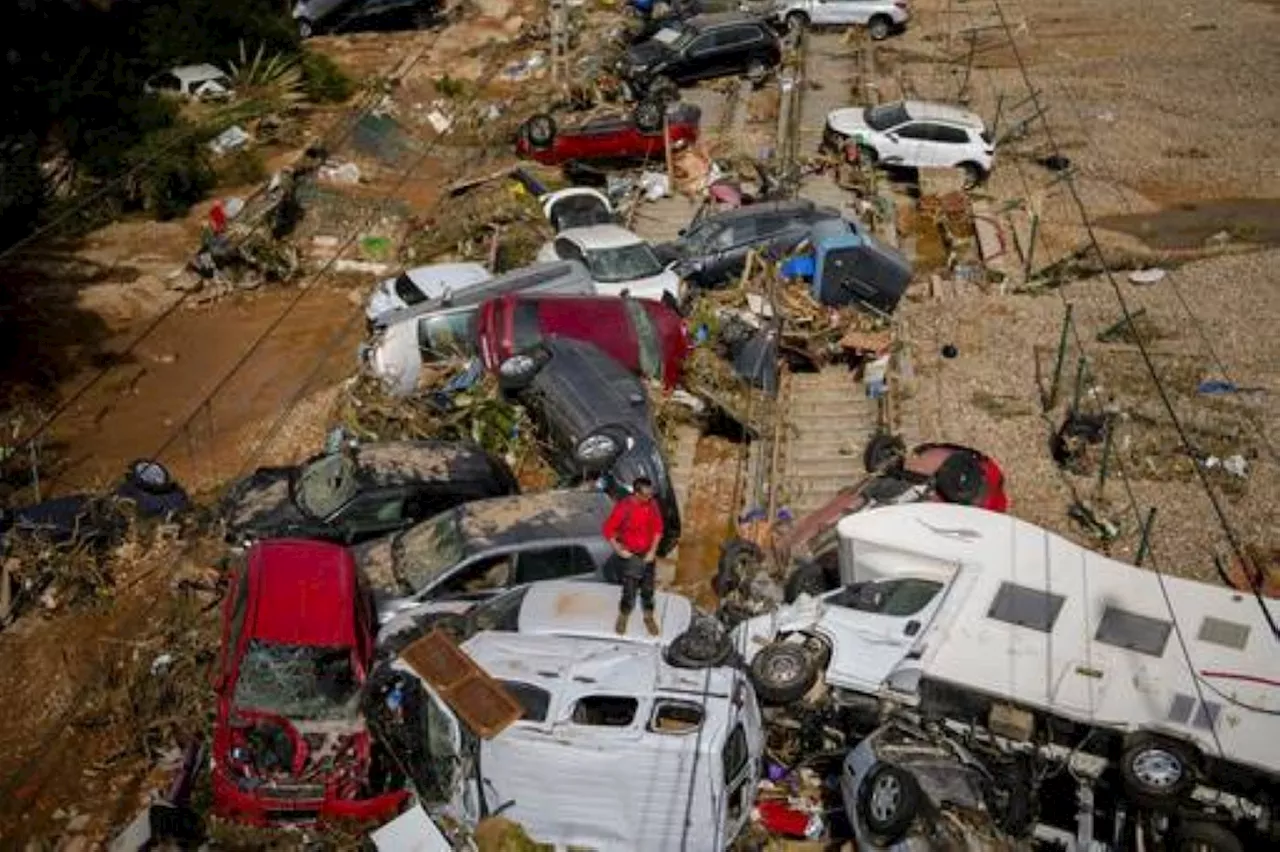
point(896, 598)
point(425, 551)
point(325, 485)
point(297, 682)
point(533, 699)
point(610, 711)
point(647, 335)
point(676, 717)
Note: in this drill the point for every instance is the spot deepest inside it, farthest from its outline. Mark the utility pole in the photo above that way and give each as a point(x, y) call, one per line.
point(559, 41)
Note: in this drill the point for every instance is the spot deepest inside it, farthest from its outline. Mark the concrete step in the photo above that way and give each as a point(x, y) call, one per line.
point(829, 467)
point(829, 417)
point(832, 442)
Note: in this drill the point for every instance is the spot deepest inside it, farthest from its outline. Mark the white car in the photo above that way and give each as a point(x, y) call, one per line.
point(618, 260)
point(576, 207)
point(882, 18)
point(915, 134)
point(415, 286)
point(198, 82)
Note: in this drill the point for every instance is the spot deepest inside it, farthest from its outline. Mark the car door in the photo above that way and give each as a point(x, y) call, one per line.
point(721, 247)
point(904, 144)
point(948, 146)
point(825, 13)
point(872, 627)
point(553, 563)
point(702, 59)
point(737, 45)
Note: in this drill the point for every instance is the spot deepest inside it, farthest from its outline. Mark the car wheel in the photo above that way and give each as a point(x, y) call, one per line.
point(517, 372)
point(540, 130)
point(807, 579)
point(1157, 772)
point(739, 561)
point(973, 174)
point(797, 21)
point(882, 451)
point(1205, 837)
point(783, 673)
point(598, 450)
point(705, 644)
point(888, 801)
point(648, 115)
point(879, 28)
point(959, 479)
point(664, 90)
point(757, 71)
point(306, 29)
point(150, 476)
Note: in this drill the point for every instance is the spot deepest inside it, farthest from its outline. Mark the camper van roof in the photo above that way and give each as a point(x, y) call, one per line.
point(1038, 617)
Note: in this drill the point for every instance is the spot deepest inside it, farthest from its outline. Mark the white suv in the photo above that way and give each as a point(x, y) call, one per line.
point(915, 133)
point(881, 17)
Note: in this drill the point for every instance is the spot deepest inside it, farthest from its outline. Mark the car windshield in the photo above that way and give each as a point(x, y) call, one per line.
point(623, 263)
point(297, 682)
point(408, 291)
point(425, 551)
point(897, 598)
point(673, 37)
point(647, 335)
point(501, 613)
point(885, 116)
point(325, 485)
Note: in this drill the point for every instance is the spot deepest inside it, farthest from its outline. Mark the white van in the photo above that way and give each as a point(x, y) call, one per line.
point(957, 613)
point(615, 749)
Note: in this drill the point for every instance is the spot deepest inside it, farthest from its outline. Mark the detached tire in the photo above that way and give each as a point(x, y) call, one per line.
point(959, 479)
point(783, 673)
point(1157, 772)
point(540, 130)
point(648, 115)
point(882, 451)
point(809, 579)
point(888, 801)
point(739, 559)
point(1205, 837)
point(704, 645)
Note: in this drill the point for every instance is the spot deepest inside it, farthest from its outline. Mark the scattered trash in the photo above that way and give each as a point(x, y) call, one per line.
point(1055, 163)
point(875, 376)
point(439, 122)
point(376, 248)
point(1215, 387)
point(1236, 466)
point(1146, 276)
point(361, 266)
point(654, 185)
point(1221, 238)
point(347, 173)
point(161, 664)
point(231, 139)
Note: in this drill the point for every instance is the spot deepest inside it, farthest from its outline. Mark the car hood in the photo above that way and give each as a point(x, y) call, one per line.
point(646, 53)
point(849, 121)
point(262, 504)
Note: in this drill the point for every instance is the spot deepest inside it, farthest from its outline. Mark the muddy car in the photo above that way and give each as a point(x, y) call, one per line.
point(478, 549)
point(290, 745)
point(596, 416)
point(610, 136)
point(363, 492)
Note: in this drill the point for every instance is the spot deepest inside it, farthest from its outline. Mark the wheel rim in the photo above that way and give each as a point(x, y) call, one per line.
point(886, 797)
point(1157, 768)
point(782, 669)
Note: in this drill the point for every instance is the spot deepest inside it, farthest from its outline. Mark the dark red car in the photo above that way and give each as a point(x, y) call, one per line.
point(289, 743)
point(647, 337)
point(610, 136)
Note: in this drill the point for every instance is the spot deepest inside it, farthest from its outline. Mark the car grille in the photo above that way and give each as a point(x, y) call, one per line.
point(293, 792)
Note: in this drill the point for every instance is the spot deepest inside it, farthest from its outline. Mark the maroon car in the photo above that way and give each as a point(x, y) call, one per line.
point(647, 337)
point(611, 135)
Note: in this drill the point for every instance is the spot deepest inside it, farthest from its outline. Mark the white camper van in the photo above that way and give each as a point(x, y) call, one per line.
point(616, 750)
point(960, 613)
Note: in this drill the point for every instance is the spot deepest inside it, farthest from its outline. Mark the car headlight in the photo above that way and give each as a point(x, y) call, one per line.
point(517, 365)
point(596, 448)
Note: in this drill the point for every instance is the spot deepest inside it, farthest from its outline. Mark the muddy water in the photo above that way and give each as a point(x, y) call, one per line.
point(1191, 224)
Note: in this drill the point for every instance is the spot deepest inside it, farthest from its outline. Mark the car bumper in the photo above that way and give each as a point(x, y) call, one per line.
point(231, 802)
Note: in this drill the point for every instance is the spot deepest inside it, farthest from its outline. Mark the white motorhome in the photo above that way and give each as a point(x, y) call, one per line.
point(958, 613)
point(616, 750)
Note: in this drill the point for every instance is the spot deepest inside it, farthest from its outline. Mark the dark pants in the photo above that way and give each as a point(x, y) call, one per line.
point(636, 575)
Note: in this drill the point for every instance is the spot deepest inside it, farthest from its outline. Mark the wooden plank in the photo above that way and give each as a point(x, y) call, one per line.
point(481, 702)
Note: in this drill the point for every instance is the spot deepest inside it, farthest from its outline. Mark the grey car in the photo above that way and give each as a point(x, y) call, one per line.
point(475, 550)
point(313, 16)
point(713, 250)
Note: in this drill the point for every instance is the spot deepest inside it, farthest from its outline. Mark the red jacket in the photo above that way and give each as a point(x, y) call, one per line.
point(635, 525)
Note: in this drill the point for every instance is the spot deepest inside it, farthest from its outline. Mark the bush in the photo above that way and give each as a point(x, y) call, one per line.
point(240, 168)
point(323, 81)
point(177, 178)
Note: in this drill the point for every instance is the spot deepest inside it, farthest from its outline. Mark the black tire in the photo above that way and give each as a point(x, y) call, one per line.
point(808, 579)
point(757, 71)
point(1157, 772)
point(705, 644)
point(959, 479)
point(540, 130)
point(1205, 837)
point(973, 174)
point(783, 673)
point(619, 438)
point(797, 21)
point(882, 451)
point(648, 115)
point(150, 477)
point(880, 28)
point(888, 801)
point(513, 384)
point(739, 559)
point(663, 90)
point(306, 29)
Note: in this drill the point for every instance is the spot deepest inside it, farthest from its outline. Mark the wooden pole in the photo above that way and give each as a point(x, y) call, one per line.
point(666, 149)
point(1144, 545)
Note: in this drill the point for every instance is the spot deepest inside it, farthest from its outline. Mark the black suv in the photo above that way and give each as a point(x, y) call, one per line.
point(701, 48)
point(596, 415)
point(714, 248)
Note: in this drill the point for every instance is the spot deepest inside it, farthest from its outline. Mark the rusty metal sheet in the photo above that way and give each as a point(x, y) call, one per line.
point(480, 701)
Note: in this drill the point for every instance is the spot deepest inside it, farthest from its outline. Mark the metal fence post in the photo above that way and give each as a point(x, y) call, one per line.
point(1052, 397)
point(1031, 247)
point(1144, 544)
point(1075, 393)
point(1106, 458)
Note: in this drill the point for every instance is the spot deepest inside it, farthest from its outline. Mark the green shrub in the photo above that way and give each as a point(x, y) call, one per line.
point(177, 177)
point(323, 81)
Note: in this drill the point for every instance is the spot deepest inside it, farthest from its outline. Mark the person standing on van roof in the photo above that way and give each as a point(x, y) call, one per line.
point(633, 529)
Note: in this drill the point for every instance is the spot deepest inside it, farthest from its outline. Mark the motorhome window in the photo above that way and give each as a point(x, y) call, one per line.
point(1026, 607)
point(1126, 629)
point(1225, 633)
point(534, 700)
point(676, 717)
point(896, 598)
point(609, 711)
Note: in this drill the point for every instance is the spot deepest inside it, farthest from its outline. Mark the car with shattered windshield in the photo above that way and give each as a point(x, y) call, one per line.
point(290, 744)
point(475, 550)
point(362, 492)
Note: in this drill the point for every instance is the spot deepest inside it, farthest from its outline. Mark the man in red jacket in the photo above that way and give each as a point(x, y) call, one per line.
point(633, 529)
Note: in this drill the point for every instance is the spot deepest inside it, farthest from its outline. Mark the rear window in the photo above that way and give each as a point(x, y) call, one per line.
point(647, 334)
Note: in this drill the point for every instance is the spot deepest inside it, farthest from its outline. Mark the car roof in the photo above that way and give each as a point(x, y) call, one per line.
point(400, 462)
point(719, 19)
point(507, 521)
point(588, 609)
point(601, 236)
point(750, 211)
point(191, 73)
point(304, 593)
point(930, 111)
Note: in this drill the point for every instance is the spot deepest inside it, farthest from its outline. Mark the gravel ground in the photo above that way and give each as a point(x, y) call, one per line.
point(1158, 107)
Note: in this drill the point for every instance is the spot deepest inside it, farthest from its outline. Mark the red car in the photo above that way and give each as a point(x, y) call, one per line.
point(289, 743)
point(612, 136)
point(647, 337)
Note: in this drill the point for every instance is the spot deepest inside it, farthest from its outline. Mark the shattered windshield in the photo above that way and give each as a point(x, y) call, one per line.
point(297, 682)
point(885, 116)
point(423, 552)
point(647, 334)
point(501, 613)
point(325, 485)
point(624, 263)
